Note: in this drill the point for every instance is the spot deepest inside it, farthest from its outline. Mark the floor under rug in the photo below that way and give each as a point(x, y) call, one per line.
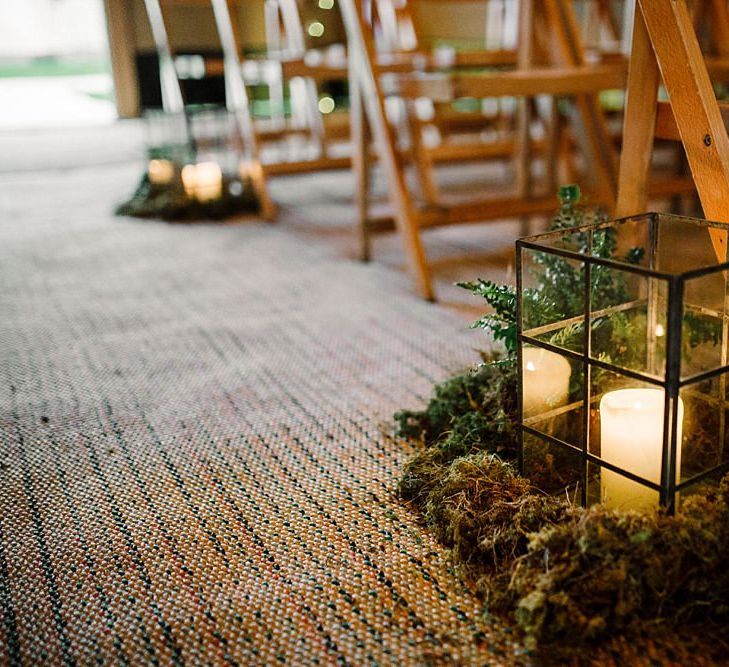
point(192, 456)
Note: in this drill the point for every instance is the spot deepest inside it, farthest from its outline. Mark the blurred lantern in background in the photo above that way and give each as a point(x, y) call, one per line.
point(196, 167)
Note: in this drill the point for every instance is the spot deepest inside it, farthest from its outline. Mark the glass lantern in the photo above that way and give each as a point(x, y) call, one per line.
point(203, 133)
point(623, 364)
point(198, 167)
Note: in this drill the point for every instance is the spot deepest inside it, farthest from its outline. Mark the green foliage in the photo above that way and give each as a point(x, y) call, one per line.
point(502, 322)
point(603, 572)
point(474, 410)
point(485, 511)
point(170, 202)
point(700, 329)
point(568, 578)
point(559, 292)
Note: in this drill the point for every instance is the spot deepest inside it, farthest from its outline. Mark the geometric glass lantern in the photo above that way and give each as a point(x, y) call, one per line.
point(201, 133)
point(622, 357)
point(197, 168)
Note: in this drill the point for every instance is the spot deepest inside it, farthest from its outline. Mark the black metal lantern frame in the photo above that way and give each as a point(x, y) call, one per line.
point(622, 356)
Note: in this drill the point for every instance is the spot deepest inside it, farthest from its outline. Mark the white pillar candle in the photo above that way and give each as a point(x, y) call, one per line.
point(546, 383)
point(631, 437)
point(203, 181)
point(161, 172)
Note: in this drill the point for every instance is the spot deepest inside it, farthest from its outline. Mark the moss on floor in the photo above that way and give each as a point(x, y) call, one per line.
point(569, 578)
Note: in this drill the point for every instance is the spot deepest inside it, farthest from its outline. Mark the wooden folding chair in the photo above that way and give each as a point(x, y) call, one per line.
point(711, 21)
point(290, 62)
point(561, 39)
point(665, 48)
point(546, 27)
point(453, 136)
point(236, 97)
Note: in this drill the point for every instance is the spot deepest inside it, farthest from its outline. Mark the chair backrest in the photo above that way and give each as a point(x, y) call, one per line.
point(409, 25)
point(294, 27)
point(605, 25)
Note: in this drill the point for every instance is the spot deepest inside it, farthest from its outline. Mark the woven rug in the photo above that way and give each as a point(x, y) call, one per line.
point(193, 461)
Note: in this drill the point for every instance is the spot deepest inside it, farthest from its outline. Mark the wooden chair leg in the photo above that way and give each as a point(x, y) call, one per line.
point(172, 95)
point(363, 68)
point(360, 139)
point(639, 124)
point(422, 161)
point(697, 115)
point(667, 26)
point(238, 103)
point(260, 186)
point(524, 184)
point(588, 122)
point(552, 141)
point(525, 58)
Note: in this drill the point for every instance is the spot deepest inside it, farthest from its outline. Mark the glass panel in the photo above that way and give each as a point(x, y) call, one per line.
point(166, 137)
point(552, 394)
point(701, 487)
point(626, 241)
point(553, 299)
point(694, 240)
point(552, 468)
point(620, 241)
point(215, 135)
point(703, 339)
point(704, 443)
point(628, 320)
point(649, 241)
point(618, 492)
point(594, 486)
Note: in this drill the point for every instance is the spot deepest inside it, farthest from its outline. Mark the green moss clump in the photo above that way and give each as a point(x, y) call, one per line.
point(485, 511)
point(421, 473)
point(568, 578)
point(476, 410)
point(604, 572)
point(170, 202)
point(470, 413)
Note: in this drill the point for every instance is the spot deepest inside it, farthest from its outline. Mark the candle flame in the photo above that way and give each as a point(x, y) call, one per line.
point(530, 366)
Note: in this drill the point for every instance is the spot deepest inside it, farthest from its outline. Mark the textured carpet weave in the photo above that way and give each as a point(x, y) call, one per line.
point(192, 463)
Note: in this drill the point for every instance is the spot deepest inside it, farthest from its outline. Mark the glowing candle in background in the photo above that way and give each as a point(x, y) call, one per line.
point(161, 172)
point(631, 437)
point(203, 181)
point(546, 383)
point(244, 170)
point(189, 179)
